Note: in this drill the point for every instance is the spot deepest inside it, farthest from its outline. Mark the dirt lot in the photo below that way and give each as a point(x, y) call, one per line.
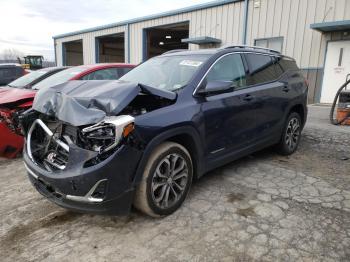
point(264, 207)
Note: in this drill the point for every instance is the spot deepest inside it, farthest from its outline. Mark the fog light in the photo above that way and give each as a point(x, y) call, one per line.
point(100, 191)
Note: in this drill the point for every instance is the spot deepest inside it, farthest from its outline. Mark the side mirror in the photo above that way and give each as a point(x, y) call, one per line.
point(216, 87)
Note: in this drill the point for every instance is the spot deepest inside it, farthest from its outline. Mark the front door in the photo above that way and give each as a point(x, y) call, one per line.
point(337, 67)
point(229, 118)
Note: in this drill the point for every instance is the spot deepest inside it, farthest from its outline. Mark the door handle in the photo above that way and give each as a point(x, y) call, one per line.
point(248, 97)
point(286, 89)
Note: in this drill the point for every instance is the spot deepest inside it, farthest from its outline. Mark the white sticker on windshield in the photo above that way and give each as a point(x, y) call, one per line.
point(191, 63)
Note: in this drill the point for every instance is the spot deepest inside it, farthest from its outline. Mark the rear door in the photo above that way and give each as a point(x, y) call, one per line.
point(271, 93)
point(228, 118)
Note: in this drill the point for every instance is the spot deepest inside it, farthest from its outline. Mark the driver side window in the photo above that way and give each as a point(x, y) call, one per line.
point(229, 68)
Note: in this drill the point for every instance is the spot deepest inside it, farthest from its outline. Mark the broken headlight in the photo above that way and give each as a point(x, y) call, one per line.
point(107, 134)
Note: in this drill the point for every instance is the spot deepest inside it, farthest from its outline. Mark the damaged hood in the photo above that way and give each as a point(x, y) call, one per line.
point(89, 102)
point(11, 95)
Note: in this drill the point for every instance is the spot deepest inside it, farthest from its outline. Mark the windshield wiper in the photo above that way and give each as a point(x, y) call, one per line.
point(15, 86)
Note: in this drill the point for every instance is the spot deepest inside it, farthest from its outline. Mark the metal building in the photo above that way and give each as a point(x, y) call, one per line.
point(315, 32)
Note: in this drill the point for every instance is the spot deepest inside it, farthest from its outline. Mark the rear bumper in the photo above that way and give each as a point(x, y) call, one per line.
point(11, 144)
point(77, 188)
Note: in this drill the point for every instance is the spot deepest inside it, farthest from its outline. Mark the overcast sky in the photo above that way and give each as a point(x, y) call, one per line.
point(28, 25)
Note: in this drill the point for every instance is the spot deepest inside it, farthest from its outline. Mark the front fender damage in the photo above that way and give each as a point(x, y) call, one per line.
point(88, 102)
point(88, 116)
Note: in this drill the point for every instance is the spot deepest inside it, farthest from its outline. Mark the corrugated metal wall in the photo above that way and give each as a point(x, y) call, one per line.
point(291, 19)
point(89, 54)
point(267, 18)
point(224, 22)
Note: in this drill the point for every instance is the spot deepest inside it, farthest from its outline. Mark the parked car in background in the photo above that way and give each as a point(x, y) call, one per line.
point(29, 80)
point(86, 72)
point(101, 147)
point(10, 72)
point(15, 99)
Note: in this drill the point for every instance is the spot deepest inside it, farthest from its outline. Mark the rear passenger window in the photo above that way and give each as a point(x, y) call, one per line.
point(262, 68)
point(278, 68)
point(229, 68)
point(288, 64)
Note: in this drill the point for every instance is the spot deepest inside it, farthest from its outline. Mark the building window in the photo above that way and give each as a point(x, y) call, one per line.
point(275, 43)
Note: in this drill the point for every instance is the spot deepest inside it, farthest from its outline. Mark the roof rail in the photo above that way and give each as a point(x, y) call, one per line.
point(251, 47)
point(174, 51)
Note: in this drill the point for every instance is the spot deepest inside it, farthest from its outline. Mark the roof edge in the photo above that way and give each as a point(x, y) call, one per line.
point(199, 40)
point(154, 16)
point(331, 26)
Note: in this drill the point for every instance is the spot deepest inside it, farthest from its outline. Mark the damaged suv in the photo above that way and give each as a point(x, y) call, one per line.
point(105, 146)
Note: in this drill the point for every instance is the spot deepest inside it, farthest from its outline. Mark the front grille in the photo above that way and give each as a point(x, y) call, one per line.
point(46, 145)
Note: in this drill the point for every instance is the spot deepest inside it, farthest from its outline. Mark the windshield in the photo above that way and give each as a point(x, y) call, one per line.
point(27, 79)
point(59, 77)
point(166, 72)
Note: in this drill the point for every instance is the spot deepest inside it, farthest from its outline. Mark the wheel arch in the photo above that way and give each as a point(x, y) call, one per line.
point(187, 136)
point(187, 141)
point(298, 108)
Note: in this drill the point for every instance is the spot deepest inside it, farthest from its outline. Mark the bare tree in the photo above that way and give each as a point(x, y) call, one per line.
point(11, 54)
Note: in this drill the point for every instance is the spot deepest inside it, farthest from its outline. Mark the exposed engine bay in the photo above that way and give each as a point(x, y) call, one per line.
point(145, 103)
point(10, 118)
point(11, 137)
point(9, 114)
point(52, 140)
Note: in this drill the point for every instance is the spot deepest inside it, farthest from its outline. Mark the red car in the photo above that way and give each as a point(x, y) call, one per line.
point(13, 101)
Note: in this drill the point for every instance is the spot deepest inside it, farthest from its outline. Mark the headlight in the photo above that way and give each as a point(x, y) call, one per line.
point(108, 133)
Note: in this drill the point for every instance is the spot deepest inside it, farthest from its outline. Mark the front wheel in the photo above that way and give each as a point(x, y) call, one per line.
point(291, 135)
point(166, 180)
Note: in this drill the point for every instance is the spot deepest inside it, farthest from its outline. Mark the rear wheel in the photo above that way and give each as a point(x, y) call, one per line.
point(166, 180)
point(291, 135)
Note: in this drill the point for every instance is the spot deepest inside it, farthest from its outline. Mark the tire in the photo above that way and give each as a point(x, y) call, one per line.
point(291, 135)
point(155, 195)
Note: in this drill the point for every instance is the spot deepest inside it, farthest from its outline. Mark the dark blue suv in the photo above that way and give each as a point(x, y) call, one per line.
point(103, 146)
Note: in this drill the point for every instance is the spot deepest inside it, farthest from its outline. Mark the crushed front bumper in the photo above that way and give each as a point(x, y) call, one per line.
point(11, 144)
point(76, 187)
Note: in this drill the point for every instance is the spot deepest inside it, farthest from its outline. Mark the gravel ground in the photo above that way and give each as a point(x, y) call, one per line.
point(261, 208)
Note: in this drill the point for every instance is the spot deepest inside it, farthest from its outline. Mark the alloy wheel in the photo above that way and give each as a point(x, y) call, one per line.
point(292, 133)
point(169, 181)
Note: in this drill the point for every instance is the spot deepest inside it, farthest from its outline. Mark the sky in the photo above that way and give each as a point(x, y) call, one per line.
point(27, 26)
